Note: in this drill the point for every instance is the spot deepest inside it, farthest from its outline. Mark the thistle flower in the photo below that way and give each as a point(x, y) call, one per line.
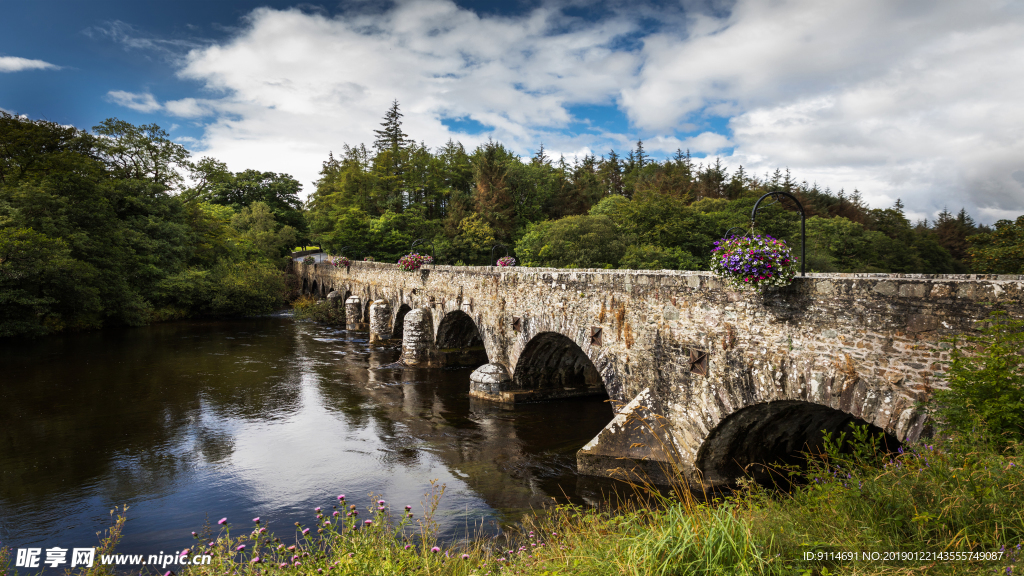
point(222, 521)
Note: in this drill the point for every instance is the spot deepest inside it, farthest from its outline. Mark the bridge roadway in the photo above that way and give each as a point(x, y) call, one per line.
point(709, 383)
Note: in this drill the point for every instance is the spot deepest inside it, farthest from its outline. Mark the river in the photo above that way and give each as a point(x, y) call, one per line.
point(188, 422)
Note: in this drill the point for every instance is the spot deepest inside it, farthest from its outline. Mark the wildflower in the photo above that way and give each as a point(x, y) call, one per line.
point(283, 565)
point(255, 560)
point(409, 514)
point(292, 547)
point(256, 519)
point(222, 521)
point(368, 522)
point(351, 554)
point(407, 508)
point(407, 546)
point(435, 549)
point(240, 547)
point(185, 552)
point(327, 522)
point(341, 496)
point(317, 509)
point(305, 531)
point(194, 535)
point(380, 502)
point(209, 544)
point(380, 508)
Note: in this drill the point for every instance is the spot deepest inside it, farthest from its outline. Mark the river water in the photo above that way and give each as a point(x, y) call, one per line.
point(189, 422)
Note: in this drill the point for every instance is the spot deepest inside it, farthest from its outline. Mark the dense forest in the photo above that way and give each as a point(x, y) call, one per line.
point(99, 229)
point(118, 226)
point(617, 211)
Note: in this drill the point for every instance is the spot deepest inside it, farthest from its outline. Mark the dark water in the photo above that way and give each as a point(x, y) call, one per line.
point(270, 417)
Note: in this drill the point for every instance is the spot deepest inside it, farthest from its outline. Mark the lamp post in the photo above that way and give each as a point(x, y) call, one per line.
point(493, 248)
point(779, 197)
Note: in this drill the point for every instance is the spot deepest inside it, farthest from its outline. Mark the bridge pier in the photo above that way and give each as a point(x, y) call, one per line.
point(353, 312)
point(418, 337)
point(490, 382)
point(380, 321)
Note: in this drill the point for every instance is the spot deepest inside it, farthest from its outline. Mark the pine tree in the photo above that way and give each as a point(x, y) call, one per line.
point(391, 137)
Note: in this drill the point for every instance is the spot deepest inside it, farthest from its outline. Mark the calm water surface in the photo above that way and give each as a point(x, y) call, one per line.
point(270, 417)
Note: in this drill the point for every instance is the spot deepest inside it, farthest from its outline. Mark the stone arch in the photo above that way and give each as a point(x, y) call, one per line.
point(305, 287)
point(749, 441)
point(314, 290)
point(398, 325)
point(458, 341)
point(552, 365)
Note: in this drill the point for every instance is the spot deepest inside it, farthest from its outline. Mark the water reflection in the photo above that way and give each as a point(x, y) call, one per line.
point(265, 417)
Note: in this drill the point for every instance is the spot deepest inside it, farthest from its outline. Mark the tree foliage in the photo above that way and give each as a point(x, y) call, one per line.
point(92, 233)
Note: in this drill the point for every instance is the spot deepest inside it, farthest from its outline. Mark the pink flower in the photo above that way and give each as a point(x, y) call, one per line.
point(256, 519)
point(341, 496)
point(435, 549)
point(368, 522)
point(222, 521)
point(240, 547)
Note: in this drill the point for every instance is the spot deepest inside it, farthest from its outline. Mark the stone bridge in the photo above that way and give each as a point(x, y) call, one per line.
point(707, 382)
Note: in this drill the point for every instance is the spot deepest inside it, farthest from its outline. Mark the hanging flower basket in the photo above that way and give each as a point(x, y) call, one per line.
point(506, 262)
point(751, 262)
point(339, 261)
point(309, 260)
point(413, 262)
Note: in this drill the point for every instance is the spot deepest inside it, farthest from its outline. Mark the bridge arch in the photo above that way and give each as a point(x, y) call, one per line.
point(750, 441)
point(458, 341)
point(553, 365)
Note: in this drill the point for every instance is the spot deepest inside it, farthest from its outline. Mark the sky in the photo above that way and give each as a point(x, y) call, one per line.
point(919, 100)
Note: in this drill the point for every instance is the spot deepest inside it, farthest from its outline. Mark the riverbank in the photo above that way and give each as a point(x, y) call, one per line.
point(952, 507)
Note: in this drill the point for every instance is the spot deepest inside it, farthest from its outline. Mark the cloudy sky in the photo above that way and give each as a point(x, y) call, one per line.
point(918, 100)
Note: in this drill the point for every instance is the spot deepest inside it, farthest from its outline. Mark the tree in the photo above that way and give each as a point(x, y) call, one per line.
point(1000, 251)
point(141, 152)
point(493, 198)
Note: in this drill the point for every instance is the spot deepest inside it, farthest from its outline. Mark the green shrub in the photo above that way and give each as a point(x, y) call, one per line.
point(986, 381)
point(247, 288)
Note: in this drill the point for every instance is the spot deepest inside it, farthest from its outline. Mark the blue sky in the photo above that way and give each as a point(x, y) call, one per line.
point(917, 99)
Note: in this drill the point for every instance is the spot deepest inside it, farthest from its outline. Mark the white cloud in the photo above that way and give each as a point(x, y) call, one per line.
point(141, 102)
point(917, 99)
point(15, 64)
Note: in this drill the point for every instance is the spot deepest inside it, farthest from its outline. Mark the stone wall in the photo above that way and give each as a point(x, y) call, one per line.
point(721, 367)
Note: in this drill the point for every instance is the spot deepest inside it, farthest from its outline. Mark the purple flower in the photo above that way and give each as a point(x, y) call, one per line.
point(256, 519)
point(222, 521)
point(240, 547)
point(341, 496)
point(327, 522)
point(381, 502)
point(336, 513)
point(317, 509)
point(283, 565)
point(435, 549)
point(465, 556)
point(255, 560)
point(367, 522)
point(407, 546)
point(194, 534)
point(185, 552)
point(305, 531)
point(407, 507)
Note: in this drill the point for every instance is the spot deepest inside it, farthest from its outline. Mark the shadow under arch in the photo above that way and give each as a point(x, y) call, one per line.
point(751, 442)
point(398, 329)
point(314, 289)
point(553, 366)
point(458, 341)
point(304, 289)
